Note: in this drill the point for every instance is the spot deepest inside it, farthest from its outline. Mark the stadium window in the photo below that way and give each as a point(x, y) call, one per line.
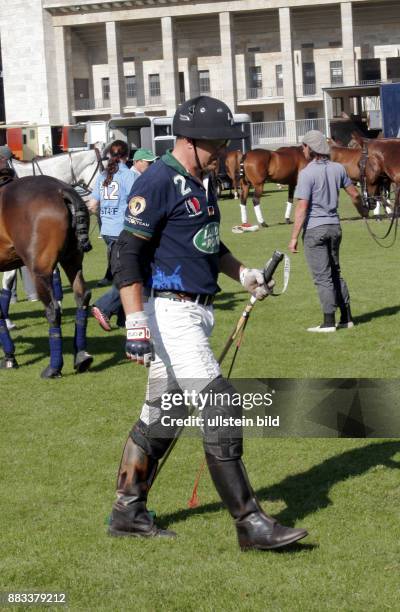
point(181, 87)
point(255, 77)
point(279, 79)
point(257, 116)
point(309, 83)
point(105, 87)
point(311, 113)
point(130, 86)
point(204, 81)
point(154, 85)
point(280, 114)
point(336, 69)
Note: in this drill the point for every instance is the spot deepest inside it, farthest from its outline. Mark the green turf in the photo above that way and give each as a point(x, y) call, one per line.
point(60, 444)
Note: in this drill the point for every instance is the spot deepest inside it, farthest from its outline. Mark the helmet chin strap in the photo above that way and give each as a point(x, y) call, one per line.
point(199, 166)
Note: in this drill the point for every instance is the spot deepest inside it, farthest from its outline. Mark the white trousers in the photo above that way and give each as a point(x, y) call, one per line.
point(184, 359)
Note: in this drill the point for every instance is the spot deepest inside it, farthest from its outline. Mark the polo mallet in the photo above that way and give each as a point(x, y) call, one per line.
point(268, 272)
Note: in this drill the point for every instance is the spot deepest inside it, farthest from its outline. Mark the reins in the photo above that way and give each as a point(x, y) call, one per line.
point(371, 201)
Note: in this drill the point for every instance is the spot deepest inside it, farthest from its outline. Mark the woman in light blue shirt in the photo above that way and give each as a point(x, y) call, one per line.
point(110, 195)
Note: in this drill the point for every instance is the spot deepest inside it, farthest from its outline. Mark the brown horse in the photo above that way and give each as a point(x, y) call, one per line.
point(43, 221)
point(281, 166)
point(382, 164)
point(232, 166)
point(383, 157)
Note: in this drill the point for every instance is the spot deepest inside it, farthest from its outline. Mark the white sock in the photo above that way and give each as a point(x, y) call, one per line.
point(377, 208)
point(288, 210)
point(243, 213)
point(259, 215)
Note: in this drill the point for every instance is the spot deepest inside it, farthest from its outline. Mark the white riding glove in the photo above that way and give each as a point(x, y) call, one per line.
point(253, 281)
point(139, 346)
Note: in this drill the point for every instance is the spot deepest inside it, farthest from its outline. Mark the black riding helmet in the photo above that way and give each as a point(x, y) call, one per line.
point(205, 118)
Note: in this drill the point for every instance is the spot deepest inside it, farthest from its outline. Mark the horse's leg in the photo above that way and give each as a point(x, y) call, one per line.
point(57, 287)
point(9, 361)
point(289, 204)
point(6, 295)
point(258, 189)
point(73, 270)
point(43, 283)
point(243, 199)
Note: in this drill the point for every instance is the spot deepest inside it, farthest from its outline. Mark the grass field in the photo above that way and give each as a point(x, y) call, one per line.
point(60, 444)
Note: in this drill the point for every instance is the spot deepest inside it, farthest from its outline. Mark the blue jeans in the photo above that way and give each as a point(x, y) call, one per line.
point(110, 302)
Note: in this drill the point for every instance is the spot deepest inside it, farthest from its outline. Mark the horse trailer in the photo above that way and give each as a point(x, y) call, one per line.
point(27, 141)
point(155, 133)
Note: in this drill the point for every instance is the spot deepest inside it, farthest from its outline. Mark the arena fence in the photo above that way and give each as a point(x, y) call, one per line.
point(279, 133)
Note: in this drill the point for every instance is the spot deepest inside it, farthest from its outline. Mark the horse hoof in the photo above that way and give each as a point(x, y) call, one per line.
point(50, 372)
point(8, 363)
point(83, 361)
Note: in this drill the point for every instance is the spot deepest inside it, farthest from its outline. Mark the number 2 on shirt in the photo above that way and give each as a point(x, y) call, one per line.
point(111, 191)
point(181, 181)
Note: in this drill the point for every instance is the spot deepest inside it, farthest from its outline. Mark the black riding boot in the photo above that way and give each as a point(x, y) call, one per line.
point(135, 476)
point(254, 528)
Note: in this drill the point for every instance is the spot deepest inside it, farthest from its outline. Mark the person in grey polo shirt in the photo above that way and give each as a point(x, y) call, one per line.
point(317, 191)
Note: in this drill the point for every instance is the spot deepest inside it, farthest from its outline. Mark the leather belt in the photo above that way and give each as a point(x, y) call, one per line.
point(204, 299)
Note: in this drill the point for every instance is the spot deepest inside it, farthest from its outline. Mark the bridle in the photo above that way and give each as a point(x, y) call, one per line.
point(370, 203)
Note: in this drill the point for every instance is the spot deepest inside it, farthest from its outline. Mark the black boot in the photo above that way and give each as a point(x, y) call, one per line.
point(255, 530)
point(130, 516)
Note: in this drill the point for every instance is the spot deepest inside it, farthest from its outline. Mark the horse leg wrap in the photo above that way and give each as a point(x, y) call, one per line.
point(156, 427)
point(5, 298)
point(258, 211)
point(80, 329)
point(82, 360)
point(57, 287)
point(53, 316)
point(288, 210)
point(243, 213)
point(55, 342)
point(222, 436)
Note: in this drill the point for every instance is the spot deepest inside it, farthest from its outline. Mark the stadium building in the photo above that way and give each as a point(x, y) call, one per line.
point(68, 61)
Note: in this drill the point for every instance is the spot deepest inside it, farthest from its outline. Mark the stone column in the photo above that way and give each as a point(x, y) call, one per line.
point(287, 64)
point(169, 82)
point(383, 62)
point(115, 67)
point(228, 80)
point(349, 75)
point(62, 40)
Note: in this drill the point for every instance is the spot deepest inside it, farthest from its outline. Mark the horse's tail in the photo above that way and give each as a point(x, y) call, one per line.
point(80, 217)
point(242, 174)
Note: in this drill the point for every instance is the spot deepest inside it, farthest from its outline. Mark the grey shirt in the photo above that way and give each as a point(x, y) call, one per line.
point(319, 183)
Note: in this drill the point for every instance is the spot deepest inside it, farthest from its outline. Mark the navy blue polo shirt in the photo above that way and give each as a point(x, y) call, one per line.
point(169, 206)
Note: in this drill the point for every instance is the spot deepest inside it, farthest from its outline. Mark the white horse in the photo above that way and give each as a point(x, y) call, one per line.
point(76, 168)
